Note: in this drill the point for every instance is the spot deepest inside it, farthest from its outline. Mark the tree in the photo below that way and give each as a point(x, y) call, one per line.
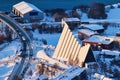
point(30, 72)
point(75, 14)
point(44, 41)
point(116, 74)
point(105, 25)
point(58, 13)
point(1, 38)
point(34, 26)
point(119, 6)
point(9, 36)
point(103, 67)
point(97, 11)
point(83, 8)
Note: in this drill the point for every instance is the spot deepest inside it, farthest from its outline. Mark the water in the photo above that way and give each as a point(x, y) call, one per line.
point(6, 5)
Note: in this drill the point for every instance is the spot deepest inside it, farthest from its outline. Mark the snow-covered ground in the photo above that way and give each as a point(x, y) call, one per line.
point(52, 39)
point(114, 13)
point(7, 58)
point(112, 16)
point(12, 48)
point(5, 70)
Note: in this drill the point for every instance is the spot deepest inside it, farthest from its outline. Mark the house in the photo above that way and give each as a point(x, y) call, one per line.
point(28, 11)
point(72, 22)
point(109, 54)
point(98, 76)
point(86, 33)
point(93, 27)
point(97, 11)
point(102, 41)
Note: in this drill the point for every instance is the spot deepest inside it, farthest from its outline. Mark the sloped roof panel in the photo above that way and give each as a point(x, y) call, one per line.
point(93, 26)
point(73, 51)
point(24, 7)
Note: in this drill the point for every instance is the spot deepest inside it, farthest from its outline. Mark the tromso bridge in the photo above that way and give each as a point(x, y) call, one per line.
point(19, 68)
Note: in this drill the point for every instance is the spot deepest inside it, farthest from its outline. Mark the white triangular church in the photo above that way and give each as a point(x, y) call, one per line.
point(69, 49)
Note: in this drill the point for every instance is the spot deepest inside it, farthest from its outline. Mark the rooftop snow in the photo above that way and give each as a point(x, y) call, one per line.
point(93, 26)
point(99, 39)
point(87, 31)
point(108, 52)
point(71, 19)
point(24, 7)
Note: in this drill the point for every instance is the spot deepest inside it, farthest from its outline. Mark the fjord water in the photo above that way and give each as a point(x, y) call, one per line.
point(6, 5)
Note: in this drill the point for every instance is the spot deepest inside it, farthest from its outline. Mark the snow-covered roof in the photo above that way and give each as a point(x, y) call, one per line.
point(108, 52)
point(99, 39)
point(93, 26)
point(87, 31)
point(72, 19)
point(101, 77)
point(25, 7)
point(70, 73)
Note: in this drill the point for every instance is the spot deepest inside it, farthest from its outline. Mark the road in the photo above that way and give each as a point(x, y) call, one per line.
point(26, 40)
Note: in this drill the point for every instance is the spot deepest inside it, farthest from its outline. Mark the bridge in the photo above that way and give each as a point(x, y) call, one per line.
point(19, 68)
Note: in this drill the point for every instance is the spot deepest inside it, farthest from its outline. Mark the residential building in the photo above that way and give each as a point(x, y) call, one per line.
point(109, 54)
point(72, 22)
point(102, 41)
point(93, 27)
point(86, 33)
